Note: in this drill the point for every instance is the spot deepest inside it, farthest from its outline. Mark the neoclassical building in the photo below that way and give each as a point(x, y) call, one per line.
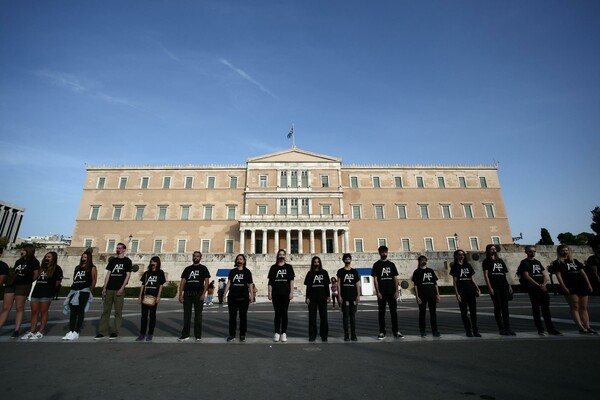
point(294, 199)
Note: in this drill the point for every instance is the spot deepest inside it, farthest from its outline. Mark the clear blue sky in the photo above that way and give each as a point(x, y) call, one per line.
point(213, 82)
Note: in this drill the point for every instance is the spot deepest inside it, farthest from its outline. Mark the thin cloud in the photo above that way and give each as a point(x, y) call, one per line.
point(119, 101)
point(171, 55)
point(247, 77)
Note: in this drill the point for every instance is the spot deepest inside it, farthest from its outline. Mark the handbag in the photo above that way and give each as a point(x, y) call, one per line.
point(149, 300)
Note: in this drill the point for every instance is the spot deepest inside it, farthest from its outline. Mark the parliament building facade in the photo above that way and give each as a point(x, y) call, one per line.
point(295, 200)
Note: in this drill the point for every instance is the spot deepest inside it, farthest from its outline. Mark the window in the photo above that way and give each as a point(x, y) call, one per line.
point(205, 246)
point(489, 211)
point(495, 239)
point(482, 182)
point(356, 214)
point(210, 184)
point(185, 213)
point(166, 182)
point(181, 245)
point(134, 247)
point(117, 213)
point(441, 182)
point(304, 179)
point(326, 209)
point(398, 181)
point(446, 214)
point(376, 182)
point(358, 245)
point(94, 211)
point(354, 181)
point(189, 182)
point(405, 244)
point(139, 213)
point(324, 181)
point(294, 179)
point(420, 182)
point(451, 243)
point(379, 211)
point(474, 241)
point(462, 182)
point(231, 212)
point(424, 211)
point(294, 206)
point(157, 246)
point(122, 182)
point(233, 182)
point(428, 244)
point(381, 242)
point(101, 182)
point(283, 206)
point(282, 179)
point(88, 243)
point(208, 212)
point(262, 181)
point(401, 211)
point(110, 246)
point(229, 246)
point(162, 213)
point(144, 182)
point(468, 209)
point(262, 209)
point(305, 208)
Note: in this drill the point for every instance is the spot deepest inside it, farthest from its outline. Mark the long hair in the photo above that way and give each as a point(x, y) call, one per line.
point(155, 259)
point(456, 253)
point(560, 248)
point(279, 251)
point(488, 248)
point(89, 264)
point(51, 266)
point(235, 260)
point(313, 267)
point(29, 252)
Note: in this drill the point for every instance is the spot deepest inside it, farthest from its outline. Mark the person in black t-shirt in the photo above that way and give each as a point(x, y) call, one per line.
point(427, 294)
point(317, 296)
point(240, 293)
point(494, 272)
point(281, 291)
point(150, 290)
point(3, 269)
point(192, 290)
point(48, 280)
point(348, 296)
point(533, 278)
point(80, 297)
point(466, 291)
point(592, 265)
point(575, 286)
point(18, 285)
point(385, 278)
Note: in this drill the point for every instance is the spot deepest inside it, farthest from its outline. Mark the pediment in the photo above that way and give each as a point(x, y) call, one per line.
point(294, 155)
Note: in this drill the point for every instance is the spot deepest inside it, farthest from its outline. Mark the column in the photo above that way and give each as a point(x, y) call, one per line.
point(288, 240)
point(242, 241)
point(346, 241)
point(252, 242)
point(300, 247)
point(264, 242)
point(312, 241)
point(323, 241)
point(335, 241)
point(276, 249)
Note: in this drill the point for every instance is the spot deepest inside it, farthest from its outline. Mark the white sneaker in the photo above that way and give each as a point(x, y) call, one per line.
point(68, 335)
point(276, 337)
point(283, 337)
point(74, 336)
point(27, 336)
point(37, 336)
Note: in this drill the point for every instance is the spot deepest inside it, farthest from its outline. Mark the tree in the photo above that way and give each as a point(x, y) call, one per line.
point(3, 241)
point(596, 221)
point(546, 238)
point(582, 239)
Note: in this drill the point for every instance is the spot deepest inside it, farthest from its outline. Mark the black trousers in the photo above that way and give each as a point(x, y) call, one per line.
point(321, 306)
point(540, 300)
point(188, 302)
point(281, 304)
point(78, 313)
point(349, 317)
point(392, 303)
point(238, 306)
point(431, 303)
point(148, 311)
point(468, 301)
point(500, 300)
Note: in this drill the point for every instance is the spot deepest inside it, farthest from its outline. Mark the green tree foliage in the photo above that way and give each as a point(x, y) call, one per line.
point(596, 220)
point(546, 238)
point(582, 239)
point(3, 241)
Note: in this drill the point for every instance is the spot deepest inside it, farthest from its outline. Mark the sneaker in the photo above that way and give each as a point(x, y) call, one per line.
point(423, 333)
point(381, 336)
point(242, 338)
point(149, 338)
point(74, 336)
point(469, 334)
point(311, 339)
point(354, 339)
point(68, 335)
point(231, 338)
point(140, 338)
point(183, 338)
point(276, 337)
point(284, 337)
point(541, 332)
point(436, 334)
point(27, 336)
point(98, 336)
point(583, 332)
point(37, 336)
point(346, 338)
point(504, 333)
point(554, 332)
point(14, 335)
point(398, 335)
point(324, 339)
point(511, 333)
point(198, 339)
point(476, 334)
point(593, 332)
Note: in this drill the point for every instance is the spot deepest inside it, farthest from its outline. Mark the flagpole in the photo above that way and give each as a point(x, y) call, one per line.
point(293, 136)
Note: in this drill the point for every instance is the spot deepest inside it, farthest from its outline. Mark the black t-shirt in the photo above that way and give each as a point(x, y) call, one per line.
point(152, 281)
point(497, 271)
point(570, 273)
point(592, 265)
point(385, 272)
point(4, 269)
point(534, 268)
point(347, 281)
point(24, 270)
point(239, 281)
point(45, 286)
point(279, 279)
point(464, 277)
point(82, 278)
point(194, 276)
point(118, 267)
point(425, 280)
point(317, 285)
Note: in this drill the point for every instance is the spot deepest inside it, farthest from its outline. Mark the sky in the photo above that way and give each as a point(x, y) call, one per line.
point(388, 82)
